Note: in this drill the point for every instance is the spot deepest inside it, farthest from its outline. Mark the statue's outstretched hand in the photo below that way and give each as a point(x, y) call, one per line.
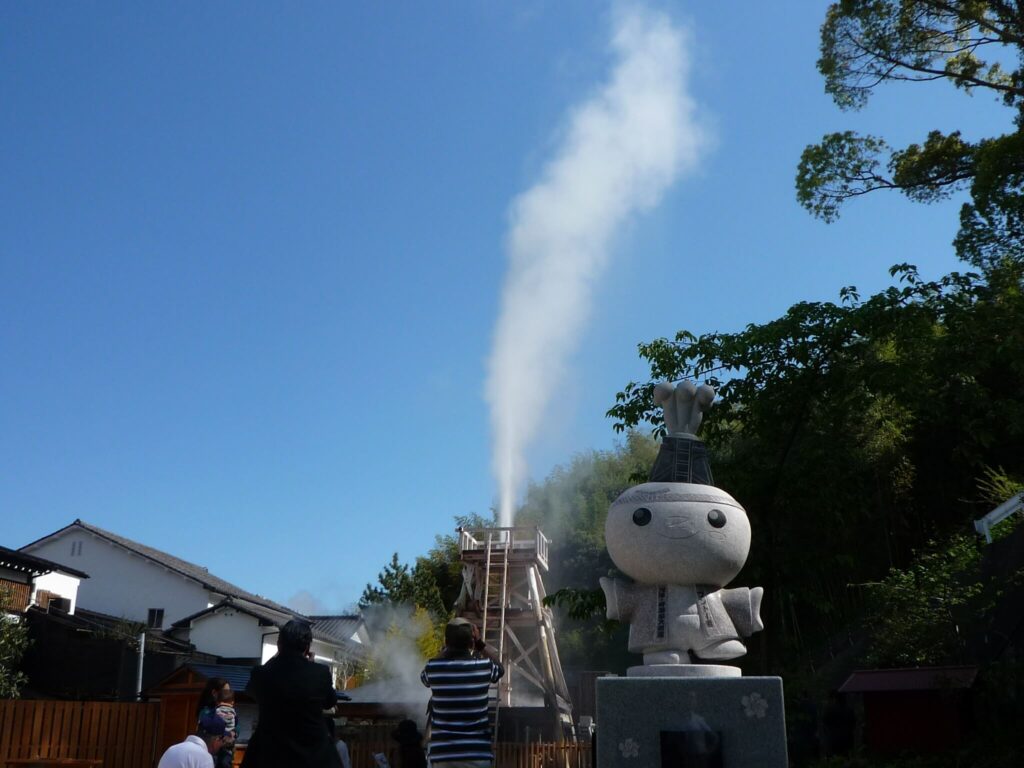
point(611, 596)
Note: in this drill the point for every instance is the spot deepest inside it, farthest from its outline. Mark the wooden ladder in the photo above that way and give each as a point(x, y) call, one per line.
point(495, 602)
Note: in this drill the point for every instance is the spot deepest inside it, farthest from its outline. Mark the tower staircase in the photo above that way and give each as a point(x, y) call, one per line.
point(503, 594)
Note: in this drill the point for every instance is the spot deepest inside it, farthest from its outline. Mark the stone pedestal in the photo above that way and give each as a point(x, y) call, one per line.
point(690, 722)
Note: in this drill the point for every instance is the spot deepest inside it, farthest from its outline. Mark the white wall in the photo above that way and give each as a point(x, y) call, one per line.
point(62, 584)
point(269, 641)
point(323, 653)
point(361, 635)
point(228, 632)
point(120, 583)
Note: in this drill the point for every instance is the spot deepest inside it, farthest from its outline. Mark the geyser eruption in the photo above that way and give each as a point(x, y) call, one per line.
point(621, 150)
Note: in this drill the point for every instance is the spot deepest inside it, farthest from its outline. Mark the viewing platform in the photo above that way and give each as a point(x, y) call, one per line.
point(524, 544)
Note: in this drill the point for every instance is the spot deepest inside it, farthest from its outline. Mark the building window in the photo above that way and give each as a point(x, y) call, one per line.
point(155, 620)
point(76, 548)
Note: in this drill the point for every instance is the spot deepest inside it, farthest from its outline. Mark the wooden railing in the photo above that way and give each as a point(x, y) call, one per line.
point(506, 755)
point(121, 735)
point(525, 540)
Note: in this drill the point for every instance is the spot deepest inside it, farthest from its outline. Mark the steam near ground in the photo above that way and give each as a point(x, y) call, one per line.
point(397, 662)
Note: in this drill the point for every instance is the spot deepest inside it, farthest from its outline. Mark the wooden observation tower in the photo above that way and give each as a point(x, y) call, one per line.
point(503, 593)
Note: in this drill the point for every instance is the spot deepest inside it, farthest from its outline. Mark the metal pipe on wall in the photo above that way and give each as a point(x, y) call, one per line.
point(138, 673)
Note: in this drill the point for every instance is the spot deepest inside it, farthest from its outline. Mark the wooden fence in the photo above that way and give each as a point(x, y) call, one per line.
point(506, 755)
point(121, 735)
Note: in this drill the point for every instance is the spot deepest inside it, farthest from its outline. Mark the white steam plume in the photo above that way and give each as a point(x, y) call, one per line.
point(622, 149)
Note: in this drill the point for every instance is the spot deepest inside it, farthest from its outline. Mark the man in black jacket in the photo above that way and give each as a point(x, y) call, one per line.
point(292, 692)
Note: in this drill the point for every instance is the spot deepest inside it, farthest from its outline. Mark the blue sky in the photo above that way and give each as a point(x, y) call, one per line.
point(251, 256)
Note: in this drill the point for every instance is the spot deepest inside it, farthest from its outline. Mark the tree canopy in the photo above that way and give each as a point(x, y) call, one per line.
point(975, 46)
point(408, 607)
point(854, 432)
point(14, 641)
point(858, 433)
point(570, 506)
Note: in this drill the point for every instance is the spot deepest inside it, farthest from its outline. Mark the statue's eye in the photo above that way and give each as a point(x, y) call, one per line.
point(717, 518)
point(642, 516)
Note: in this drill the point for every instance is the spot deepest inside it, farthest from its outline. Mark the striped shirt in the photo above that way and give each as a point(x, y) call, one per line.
point(459, 723)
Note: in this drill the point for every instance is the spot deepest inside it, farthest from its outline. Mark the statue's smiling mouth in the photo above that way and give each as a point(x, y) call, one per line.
point(677, 527)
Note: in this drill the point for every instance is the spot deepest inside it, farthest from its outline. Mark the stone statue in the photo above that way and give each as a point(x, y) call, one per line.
point(681, 540)
point(683, 406)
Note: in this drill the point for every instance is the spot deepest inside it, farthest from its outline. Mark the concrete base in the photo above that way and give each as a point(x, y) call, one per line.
point(690, 722)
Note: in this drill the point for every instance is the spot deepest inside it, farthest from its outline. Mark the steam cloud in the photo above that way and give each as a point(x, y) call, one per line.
point(397, 662)
point(622, 149)
point(306, 603)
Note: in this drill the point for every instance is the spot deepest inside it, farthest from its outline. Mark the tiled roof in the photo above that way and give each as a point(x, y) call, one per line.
point(113, 627)
point(396, 693)
point(273, 617)
point(910, 679)
point(185, 568)
point(341, 627)
point(339, 630)
point(37, 566)
point(236, 675)
point(278, 619)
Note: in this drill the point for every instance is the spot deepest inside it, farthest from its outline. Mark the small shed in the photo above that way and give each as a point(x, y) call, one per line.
point(179, 699)
point(919, 710)
point(386, 701)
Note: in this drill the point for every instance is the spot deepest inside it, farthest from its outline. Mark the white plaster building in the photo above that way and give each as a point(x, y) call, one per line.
point(27, 580)
point(241, 632)
point(139, 583)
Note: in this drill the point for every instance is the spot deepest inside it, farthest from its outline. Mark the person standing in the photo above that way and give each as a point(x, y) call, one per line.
point(459, 681)
point(292, 692)
point(197, 750)
point(210, 698)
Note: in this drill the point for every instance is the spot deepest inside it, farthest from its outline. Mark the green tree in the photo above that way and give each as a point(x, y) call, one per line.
point(410, 606)
point(14, 641)
point(927, 612)
point(918, 615)
point(570, 506)
point(406, 636)
point(571, 503)
point(432, 583)
point(865, 43)
point(853, 432)
point(395, 585)
point(439, 572)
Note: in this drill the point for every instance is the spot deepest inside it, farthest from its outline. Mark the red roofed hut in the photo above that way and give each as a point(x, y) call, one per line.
point(921, 710)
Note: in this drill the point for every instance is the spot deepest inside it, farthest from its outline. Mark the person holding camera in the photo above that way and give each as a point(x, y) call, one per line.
point(459, 681)
point(292, 692)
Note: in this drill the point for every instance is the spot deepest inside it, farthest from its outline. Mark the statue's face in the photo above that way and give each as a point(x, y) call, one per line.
point(678, 533)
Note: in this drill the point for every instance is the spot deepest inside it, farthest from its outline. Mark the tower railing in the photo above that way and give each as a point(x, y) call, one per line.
point(517, 541)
